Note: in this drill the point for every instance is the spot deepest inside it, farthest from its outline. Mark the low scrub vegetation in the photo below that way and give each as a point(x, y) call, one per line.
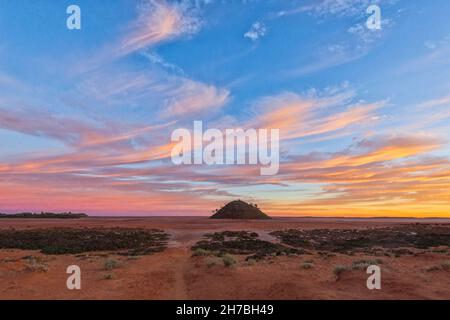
point(75, 241)
point(444, 266)
point(228, 260)
point(108, 277)
point(43, 215)
point(364, 264)
point(35, 264)
point(307, 265)
point(391, 240)
point(240, 243)
point(111, 264)
point(338, 270)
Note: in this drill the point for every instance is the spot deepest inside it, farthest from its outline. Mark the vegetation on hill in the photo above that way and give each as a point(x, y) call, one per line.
point(44, 215)
point(239, 210)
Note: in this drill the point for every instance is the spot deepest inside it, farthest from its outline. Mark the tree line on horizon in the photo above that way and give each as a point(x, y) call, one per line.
point(44, 215)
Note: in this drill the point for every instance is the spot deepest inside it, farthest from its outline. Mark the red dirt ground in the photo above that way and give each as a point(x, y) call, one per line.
point(175, 274)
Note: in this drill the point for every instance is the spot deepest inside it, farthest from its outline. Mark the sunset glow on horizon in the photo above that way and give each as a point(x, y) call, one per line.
point(86, 116)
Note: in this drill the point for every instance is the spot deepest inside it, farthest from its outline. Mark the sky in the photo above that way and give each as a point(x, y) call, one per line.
point(86, 116)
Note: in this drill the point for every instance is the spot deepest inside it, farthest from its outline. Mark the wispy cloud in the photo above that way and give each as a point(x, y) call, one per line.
point(383, 175)
point(439, 102)
point(192, 98)
point(359, 43)
point(344, 151)
point(355, 42)
point(155, 58)
point(366, 36)
point(258, 30)
point(436, 56)
point(160, 92)
point(302, 116)
point(159, 21)
point(161, 88)
point(340, 8)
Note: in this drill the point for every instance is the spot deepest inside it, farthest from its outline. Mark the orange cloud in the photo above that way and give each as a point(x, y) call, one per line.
point(158, 21)
point(390, 177)
point(193, 97)
point(299, 117)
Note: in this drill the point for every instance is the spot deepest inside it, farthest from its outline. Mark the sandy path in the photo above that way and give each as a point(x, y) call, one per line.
point(181, 243)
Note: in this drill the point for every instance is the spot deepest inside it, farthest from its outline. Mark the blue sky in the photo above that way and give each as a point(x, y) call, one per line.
point(90, 111)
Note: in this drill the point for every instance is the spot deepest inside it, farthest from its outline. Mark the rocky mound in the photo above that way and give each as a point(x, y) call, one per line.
point(239, 210)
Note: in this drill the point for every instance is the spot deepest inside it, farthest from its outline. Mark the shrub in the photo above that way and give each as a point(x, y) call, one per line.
point(251, 262)
point(432, 268)
point(307, 265)
point(338, 270)
point(364, 264)
point(228, 260)
point(36, 264)
point(199, 252)
point(111, 264)
point(446, 265)
point(211, 262)
point(443, 266)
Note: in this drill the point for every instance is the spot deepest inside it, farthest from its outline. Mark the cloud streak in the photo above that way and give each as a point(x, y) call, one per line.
point(298, 117)
point(159, 21)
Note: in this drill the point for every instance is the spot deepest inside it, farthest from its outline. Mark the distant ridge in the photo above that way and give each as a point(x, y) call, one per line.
point(43, 215)
point(239, 210)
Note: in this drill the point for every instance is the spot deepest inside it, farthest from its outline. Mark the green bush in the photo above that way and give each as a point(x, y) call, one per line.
point(111, 264)
point(108, 277)
point(364, 264)
point(211, 262)
point(251, 262)
point(446, 265)
point(228, 260)
point(338, 270)
point(36, 264)
point(443, 266)
point(307, 265)
point(199, 252)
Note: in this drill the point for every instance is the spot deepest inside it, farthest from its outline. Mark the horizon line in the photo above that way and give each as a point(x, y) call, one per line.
point(207, 216)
